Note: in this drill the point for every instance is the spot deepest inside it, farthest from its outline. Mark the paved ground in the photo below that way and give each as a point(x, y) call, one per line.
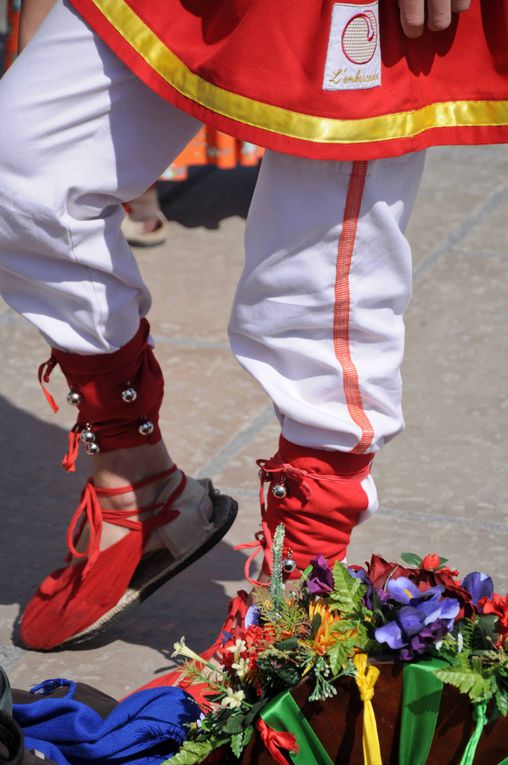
point(442, 485)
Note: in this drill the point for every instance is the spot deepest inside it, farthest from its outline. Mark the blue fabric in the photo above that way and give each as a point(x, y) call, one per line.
point(145, 728)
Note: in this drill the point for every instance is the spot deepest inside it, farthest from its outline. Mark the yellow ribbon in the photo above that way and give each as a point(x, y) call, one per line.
point(366, 677)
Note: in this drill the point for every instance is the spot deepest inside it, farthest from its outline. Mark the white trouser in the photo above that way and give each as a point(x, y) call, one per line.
point(317, 317)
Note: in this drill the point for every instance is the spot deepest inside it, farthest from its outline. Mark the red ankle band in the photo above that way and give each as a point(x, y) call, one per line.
point(118, 396)
point(318, 496)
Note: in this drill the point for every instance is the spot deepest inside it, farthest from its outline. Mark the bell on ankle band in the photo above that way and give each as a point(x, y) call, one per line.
point(318, 495)
point(118, 396)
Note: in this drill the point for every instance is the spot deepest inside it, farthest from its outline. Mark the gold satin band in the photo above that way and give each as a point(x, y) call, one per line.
point(275, 119)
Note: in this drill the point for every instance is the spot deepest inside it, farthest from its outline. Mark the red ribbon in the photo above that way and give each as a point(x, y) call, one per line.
point(43, 376)
point(274, 740)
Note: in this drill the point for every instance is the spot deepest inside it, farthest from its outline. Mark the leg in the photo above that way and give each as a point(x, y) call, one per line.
point(318, 320)
point(80, 140)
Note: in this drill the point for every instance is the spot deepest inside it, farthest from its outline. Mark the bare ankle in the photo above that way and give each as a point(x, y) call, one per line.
point(128, 466)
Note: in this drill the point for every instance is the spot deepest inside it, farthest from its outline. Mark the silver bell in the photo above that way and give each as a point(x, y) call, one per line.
point(146, 428)
point(279, 490)
point(73, 398)
point(92, 448)
point(87, 437)
point(129, 394)
point(288, 565)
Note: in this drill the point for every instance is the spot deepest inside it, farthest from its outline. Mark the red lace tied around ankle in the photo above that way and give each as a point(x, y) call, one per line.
point(99, 383)
point(300, 484)
point(90, 511)
point(287, 473)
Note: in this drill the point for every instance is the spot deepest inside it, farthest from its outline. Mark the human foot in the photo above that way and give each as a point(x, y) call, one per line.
point(78, 601)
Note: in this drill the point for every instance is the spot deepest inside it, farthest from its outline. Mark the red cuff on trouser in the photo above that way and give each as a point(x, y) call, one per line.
point(320, 502)
point(99, 382)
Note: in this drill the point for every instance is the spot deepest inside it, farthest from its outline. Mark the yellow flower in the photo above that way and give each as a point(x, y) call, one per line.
point(324, 636)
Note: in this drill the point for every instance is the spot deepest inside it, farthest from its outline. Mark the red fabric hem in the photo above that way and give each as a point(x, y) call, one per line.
point(322, 461)
point(442, 136)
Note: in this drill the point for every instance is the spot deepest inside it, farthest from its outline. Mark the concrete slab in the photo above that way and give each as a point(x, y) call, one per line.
point(442, 484)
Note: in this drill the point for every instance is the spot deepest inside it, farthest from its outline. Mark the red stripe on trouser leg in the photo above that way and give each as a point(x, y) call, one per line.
point(324, 500)
point(100, 380)
point(342, 308)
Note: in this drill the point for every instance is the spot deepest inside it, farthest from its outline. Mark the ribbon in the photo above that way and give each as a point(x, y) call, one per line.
point(421, 700)
point(366, 677)
point(43, 376)
point(284, 714)
point(480, 716)
point(275, 740)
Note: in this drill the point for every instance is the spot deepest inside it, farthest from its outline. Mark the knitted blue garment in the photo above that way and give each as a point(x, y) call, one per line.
point(146, 728)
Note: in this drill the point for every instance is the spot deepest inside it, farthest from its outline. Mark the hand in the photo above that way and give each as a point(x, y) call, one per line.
point(438, 16)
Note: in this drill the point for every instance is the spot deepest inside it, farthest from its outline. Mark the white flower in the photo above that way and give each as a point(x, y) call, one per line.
point(242, 667)
point(238, 647)
point(233, 699)
point(181, 649)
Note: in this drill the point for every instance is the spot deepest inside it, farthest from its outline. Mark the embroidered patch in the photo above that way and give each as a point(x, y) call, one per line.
point(353, 61)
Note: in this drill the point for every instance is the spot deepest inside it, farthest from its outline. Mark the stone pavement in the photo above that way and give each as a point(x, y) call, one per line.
point(442, 484)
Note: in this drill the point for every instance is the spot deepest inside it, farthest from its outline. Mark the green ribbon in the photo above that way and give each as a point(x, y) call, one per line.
point(284, 714)
point(480, 715)
point(421, 699)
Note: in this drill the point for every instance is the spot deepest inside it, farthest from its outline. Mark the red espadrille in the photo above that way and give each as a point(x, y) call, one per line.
point(76, 602)
point(319, 496)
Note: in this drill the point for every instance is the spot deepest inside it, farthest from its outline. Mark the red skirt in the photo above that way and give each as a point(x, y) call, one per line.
point(317, 78)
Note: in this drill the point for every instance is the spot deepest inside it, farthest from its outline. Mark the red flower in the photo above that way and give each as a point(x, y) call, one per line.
point(380, 570)
point(498, 606)
point(431, 562)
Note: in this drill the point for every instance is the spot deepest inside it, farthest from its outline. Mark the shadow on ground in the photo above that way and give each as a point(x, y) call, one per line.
point(208, 196)
point(37, 499)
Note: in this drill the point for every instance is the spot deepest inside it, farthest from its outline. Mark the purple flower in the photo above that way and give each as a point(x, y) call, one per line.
point(425, 619)
point(361, 574)
point(405, 591)
point(320, 579)
point(253, 616)
point(478, 585)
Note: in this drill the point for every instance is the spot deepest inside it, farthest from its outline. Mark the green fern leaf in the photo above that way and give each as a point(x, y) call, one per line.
point(468, 681)
point(347, 590)
point(193, 752)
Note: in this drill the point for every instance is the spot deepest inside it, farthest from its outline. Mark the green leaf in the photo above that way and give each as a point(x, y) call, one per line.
point(240, 741)
point(468, 681)
point(316, 624)
point(411, 559)
point(442, 562)
point(254, 711)
point(306, 572)
point(339, 653)
point(235, 723)
point(289, 644)
point(485, 632)
point(347, 590)
point(193, 752)
point(502, 703)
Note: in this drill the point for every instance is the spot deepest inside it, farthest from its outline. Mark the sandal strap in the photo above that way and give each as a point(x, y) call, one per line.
point(91, 512)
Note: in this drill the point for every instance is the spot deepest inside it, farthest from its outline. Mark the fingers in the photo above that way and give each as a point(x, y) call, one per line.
point(412, 17)
point(438, 14)
point(460, 5)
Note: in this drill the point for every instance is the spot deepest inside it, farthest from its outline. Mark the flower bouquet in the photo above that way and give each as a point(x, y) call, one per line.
point(311, 671)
